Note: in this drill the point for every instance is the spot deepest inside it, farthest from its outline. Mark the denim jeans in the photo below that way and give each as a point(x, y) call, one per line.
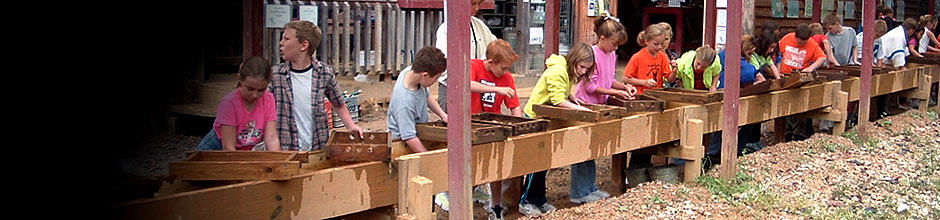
point(210, 142)
point(583, 176)
point(533, 187)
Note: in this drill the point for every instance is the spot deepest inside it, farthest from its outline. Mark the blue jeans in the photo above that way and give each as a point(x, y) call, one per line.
point(210, 142)
point(583, 176)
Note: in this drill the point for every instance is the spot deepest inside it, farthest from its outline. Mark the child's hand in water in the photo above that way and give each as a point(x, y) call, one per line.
point(625, 95)
point(651, 83)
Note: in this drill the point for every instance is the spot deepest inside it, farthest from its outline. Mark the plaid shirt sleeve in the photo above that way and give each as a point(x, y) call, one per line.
point(281, 88)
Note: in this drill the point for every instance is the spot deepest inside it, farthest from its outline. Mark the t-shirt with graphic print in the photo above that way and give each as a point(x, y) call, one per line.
point(248, 123)
point(796, 56)
point(644, 66)
point(490, 102)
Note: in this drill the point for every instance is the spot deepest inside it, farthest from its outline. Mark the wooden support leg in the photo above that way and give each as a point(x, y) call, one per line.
point(617, 164)
point(692, 149)
point(780, 129)
point(841, 105)
point(419, 198)
point(414, 191)
point(924, 92)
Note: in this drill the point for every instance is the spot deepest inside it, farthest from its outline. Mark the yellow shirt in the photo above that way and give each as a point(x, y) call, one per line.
point(553, 87)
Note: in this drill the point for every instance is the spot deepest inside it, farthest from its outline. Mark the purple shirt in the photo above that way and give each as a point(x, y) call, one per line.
point(603, 77)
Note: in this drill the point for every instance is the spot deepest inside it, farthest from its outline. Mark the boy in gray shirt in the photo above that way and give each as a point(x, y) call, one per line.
point(842, 40)
point(410, 96)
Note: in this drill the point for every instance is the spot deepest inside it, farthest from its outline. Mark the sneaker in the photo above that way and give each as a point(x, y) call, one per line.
point(529, 209)
point(601, 194)
point(442, 200)
point(588, 198)
point(496, 213)
point(546, 208)
point(481, 194)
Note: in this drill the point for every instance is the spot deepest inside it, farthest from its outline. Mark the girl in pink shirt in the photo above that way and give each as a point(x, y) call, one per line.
point(595, 90)
point(246, 117)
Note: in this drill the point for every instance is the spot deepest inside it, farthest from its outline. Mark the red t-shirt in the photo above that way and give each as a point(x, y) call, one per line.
point(798, 57)
point(819, 39)
point(644, 66)
point(490, 102)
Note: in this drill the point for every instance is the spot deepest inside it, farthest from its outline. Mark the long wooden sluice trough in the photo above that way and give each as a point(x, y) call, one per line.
point(343, 189)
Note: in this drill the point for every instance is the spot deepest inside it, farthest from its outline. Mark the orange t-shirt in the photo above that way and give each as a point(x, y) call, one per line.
point(797, 57)
point(644, 66)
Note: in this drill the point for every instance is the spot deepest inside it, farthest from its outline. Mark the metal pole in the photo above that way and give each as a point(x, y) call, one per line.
point(729, 135)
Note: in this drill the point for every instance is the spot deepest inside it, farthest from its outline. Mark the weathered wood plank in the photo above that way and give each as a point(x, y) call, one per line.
point(231, 170)
point(379, 38)
point(357, 40)
point(335, 60)
point(346, 52)
point(322, 10)
point(302, 197)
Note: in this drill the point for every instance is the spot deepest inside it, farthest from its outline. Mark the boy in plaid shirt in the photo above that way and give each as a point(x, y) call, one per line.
point(300, 85)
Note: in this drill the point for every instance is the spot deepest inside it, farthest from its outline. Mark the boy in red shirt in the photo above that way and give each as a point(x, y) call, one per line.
point(492, 86)
point(799, 53)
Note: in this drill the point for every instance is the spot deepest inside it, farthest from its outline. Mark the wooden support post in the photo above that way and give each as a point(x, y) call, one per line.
point(867, 55)
point(458, 109)
point(729, 143)
point(419, 197)
point(842, 105)
point(552, 8)
point(691, 143)
point(780, 129)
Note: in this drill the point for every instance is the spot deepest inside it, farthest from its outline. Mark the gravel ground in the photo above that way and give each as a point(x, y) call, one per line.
point(894, 175)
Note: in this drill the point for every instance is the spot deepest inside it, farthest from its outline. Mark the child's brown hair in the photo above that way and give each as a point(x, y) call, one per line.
point(430, 60)
point(579, 53)
point(255, 67)
point(610, 28)
point(832, 19)
point(306, 31)
point(925, 20)
point(501, 52)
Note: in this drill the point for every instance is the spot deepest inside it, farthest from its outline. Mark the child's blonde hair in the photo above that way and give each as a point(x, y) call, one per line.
point(581, 52)
point(668, 30)
point(816, 28)
point(641, 39)
point(654, 31)
point(880, 28)
point(705, 54)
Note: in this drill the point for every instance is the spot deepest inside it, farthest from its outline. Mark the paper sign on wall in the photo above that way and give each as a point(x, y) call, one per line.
point(720, 35)
point(309, 13)
point(776, 8)
point(536, 35)
point(722, 17)
point(849, 10)
point(721, 3)
point(808, 9)
point(793, 9)
point(276, 16)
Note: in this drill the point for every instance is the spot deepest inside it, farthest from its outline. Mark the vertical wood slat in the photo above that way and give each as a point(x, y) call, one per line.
point(346, 47)
point(410, 42)
point(357, 39)
point(392, 40)
point(377, 38)
point(322, 24)
point(419, 42)
point(399, 38)
point(367, 38)
point(335, 60)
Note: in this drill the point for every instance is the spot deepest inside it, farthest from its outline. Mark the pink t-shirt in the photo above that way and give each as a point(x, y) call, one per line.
point(249, 124)
point(604, 76)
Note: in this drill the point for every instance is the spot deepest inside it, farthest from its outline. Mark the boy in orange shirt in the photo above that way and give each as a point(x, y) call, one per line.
point(647, 68)
point(799, 53)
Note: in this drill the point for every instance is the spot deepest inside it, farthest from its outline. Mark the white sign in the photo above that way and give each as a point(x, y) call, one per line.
point(536, 35)
point(276, 16)
point(721, 3)
point(720, 35)
point(309, 13)
point(722, 18)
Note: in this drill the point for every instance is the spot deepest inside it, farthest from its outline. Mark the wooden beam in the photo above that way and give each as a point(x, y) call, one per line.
point(691, 145)
point(302, 197)
point(729, 143)
point(252, 28)
point(552, 13)
point(419, 198)
point(229, 170)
